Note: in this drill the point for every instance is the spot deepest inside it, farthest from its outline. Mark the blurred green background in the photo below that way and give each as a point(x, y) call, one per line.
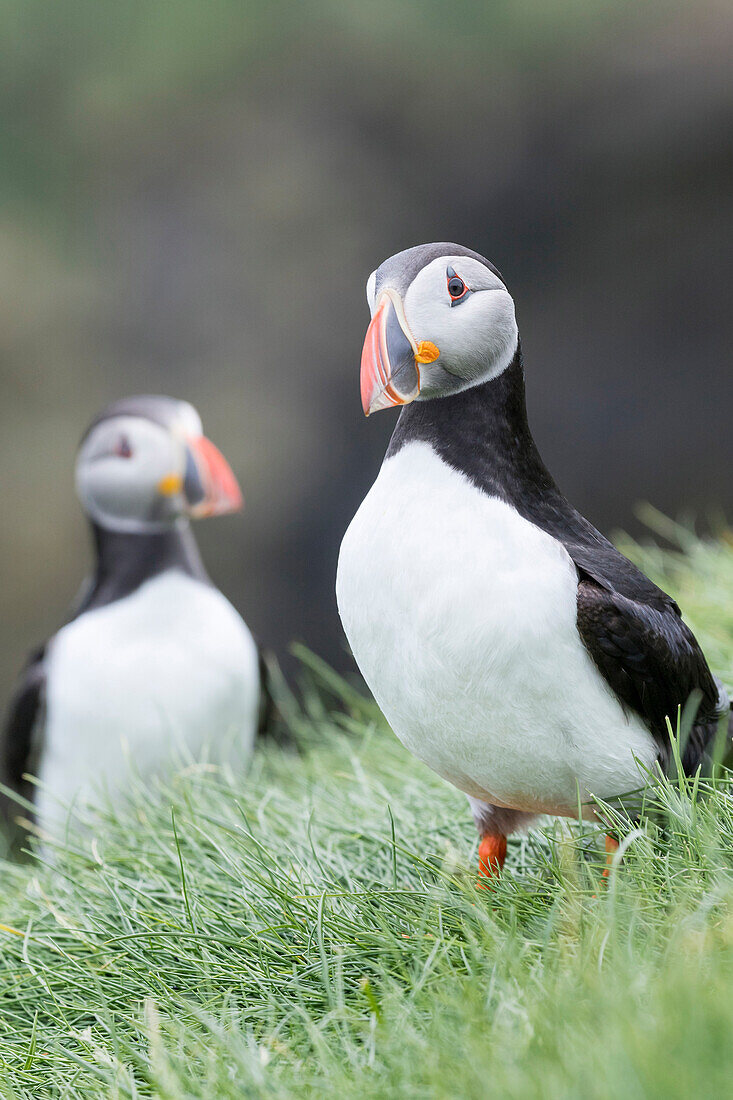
point(193, 195)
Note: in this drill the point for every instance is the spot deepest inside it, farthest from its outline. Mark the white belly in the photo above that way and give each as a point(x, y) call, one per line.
point(172, 666)
point(462, 618)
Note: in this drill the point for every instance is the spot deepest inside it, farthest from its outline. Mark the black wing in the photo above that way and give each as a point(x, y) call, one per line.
point(22, 735)
point(652, 661)
point(636, 636)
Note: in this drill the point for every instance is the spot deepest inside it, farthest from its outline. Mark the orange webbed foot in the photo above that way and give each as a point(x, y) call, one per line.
point(491, 856)
point(611, 849)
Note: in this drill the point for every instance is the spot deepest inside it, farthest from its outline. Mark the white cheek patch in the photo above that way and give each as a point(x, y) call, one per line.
point(477, 338)
point(122, 493)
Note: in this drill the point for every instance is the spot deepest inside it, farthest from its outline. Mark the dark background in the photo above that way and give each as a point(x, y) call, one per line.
point(195, 193)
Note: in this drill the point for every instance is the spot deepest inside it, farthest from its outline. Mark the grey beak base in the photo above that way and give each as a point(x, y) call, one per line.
point(405, 376)
point(193, 487)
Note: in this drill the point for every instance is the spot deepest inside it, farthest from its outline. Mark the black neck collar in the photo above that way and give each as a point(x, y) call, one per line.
point(124, 561)
point(483, 432)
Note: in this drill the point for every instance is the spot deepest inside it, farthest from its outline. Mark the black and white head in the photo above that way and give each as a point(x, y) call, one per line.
point(144, 465)
point(442, 321)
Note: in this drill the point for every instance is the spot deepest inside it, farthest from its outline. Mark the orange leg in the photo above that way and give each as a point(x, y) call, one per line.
point(491, 856)
point(611, 849)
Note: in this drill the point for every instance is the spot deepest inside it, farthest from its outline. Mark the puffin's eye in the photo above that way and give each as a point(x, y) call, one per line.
point(123, 448)
point(456, 286)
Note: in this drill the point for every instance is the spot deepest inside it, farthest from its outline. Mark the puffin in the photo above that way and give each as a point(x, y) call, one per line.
point(153, 655)
point(511, 647)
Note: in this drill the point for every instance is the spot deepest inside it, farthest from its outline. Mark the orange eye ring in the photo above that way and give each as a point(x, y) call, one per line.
point(457, 289)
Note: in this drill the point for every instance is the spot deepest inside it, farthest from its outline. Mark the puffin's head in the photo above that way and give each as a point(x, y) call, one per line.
point(143, 464)
point(442, 320)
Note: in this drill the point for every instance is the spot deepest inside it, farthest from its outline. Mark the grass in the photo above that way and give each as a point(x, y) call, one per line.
point(312, 928)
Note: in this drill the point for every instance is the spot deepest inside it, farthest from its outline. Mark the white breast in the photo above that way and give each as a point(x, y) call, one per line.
point(462, 618)
point(171, 665)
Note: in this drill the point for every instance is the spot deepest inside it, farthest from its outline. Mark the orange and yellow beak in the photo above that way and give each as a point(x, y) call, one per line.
point(391, 358)
point(209, 486)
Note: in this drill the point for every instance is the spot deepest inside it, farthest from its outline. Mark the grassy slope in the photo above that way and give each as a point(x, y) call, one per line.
point(313, 930)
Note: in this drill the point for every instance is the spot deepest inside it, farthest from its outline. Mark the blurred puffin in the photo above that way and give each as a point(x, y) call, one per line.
point(511, 647)
point(154, 654)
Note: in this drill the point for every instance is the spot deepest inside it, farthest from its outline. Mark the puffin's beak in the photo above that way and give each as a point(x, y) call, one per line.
point(390, 374)
point(209, 487)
